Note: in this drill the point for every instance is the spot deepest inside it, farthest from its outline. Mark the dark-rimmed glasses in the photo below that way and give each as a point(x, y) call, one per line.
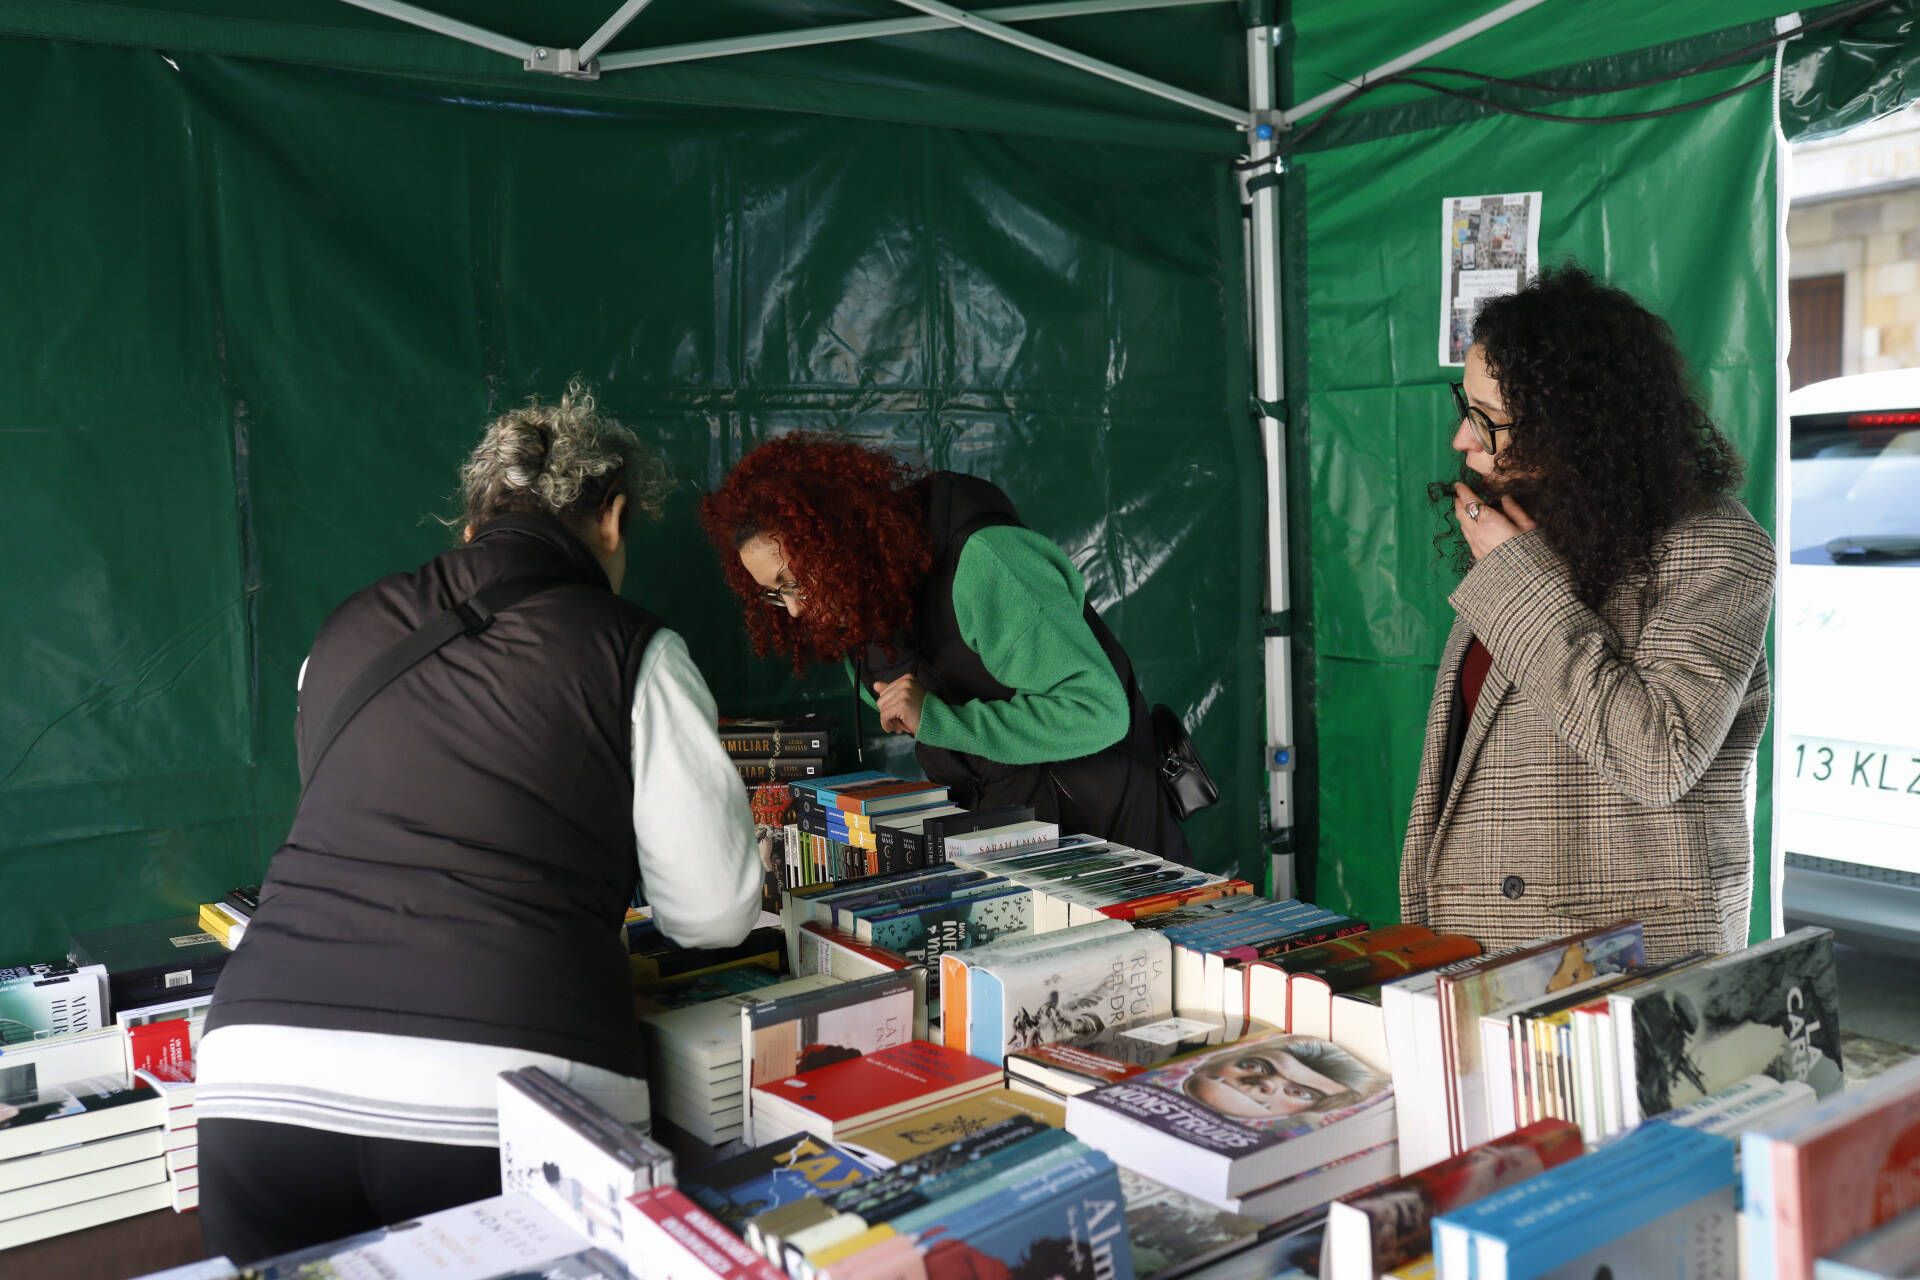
point(1485, 429)
point(777, 597)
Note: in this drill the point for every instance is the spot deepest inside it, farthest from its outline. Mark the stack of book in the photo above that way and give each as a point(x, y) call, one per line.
point(1078, 879)
point(162, 965)
point(778, 750)
point(1067, 1069)
point(841, 822)
point(161, 1057)
point(227, 919)
point(1830, 1173)
point(1210, 953)
point(1016, 1198)
point(1310, 989)
point(573, 1157)
point(694, 1060)
point(921, 915)
point(781, 1175)
point(857, 1093)
point(1580, 1028)
point(77, 1155)
point(657, 963)
point(809, 1030)
point(1267, 1126)
point(1659, 1201)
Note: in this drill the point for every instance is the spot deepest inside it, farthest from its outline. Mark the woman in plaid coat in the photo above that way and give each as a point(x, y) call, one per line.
point(1590, 748)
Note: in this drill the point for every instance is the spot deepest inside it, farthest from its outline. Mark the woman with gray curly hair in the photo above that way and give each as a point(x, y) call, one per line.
point(494, 748)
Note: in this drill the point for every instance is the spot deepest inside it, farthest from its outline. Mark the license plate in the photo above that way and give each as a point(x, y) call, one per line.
point(1856, 779)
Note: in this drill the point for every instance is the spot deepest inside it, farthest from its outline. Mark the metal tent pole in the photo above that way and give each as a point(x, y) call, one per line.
point(1079, 61)
point(699, 50)
point(1413, 57)
point(613, 26)
point(1263, 289)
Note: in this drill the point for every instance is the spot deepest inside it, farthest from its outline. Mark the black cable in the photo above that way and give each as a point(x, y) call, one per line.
point(1409, 76)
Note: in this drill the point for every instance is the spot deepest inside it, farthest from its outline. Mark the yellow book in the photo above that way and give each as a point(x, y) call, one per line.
point(905, 1137)
point(215, 922)
point(1419, 1269)
point(822, 1259)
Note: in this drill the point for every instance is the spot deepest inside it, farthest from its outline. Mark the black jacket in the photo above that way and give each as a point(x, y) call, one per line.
point(460, 863)
point(1113, 793)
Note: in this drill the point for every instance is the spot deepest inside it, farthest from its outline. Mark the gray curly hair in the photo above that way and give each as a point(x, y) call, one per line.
point(562, 459)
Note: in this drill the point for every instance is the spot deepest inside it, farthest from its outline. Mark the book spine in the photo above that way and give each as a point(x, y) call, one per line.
point(774, 769)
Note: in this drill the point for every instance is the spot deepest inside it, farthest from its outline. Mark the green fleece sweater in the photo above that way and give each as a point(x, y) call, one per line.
point(1019, 601)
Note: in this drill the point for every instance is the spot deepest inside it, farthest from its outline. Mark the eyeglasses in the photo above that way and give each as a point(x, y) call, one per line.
point(1485, 429)
point(777, 597)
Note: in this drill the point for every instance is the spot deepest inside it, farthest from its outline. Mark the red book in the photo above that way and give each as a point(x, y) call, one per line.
point(1154, 903)
point(1392, 1224)
point(881, 1086)
point(165, 1045)
point(678, 1240)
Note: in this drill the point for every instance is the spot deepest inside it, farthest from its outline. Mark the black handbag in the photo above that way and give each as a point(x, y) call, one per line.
point(1183, 777)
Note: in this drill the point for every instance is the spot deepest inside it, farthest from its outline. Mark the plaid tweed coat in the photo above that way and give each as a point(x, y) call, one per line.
point(1606, 770)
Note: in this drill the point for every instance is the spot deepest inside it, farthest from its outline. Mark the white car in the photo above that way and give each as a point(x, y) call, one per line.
point(1848, 710)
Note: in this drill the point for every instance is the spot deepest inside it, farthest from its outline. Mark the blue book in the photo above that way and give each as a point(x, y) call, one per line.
point(754, 1182)
point(848, 918)
point(1064, 1232)
point(1201, 931)
point(815, 788)
point(1623, 1205)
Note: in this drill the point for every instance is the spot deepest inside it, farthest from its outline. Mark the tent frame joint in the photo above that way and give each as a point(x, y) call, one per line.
point(566, 63)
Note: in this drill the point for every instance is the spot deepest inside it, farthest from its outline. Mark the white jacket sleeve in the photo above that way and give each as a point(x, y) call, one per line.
point(699, 857)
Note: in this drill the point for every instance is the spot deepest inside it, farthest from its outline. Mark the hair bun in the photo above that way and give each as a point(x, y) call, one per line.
point(524, 455)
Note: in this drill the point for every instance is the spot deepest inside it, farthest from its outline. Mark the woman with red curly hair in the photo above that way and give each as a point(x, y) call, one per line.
point(963, 628)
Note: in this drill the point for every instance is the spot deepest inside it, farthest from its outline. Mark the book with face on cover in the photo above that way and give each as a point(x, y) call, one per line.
point(1219, 1123)
point(1772, 1009)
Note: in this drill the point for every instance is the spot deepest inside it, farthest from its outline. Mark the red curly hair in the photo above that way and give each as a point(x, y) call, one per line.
point(851, 522)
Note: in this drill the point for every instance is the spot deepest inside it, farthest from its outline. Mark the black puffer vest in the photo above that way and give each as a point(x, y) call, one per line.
point(1113, 793)
point(461, 860)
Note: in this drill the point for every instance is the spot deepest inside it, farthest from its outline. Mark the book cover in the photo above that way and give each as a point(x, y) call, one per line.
point(1392, 1224)
point(926, 933)
point(1069, 1068)
point(887, 797)
point(1222, 1122)
point(1834, 1172)
point(1465, 997)
point(41, 1002)
point(504, 1236)
point(684, 993)
point(1065, 993)
point(770, 1176)
point(956, 970)
point(569, 1155)
point(893, 1142)
point(934, 832)
point(710, 1033)
point(41, 1118)
point(750, 736)
point(1773, 1009)
point(1077, 1236)
point(888, 1081)
point(1170, 1232)
point(786, 1037)
point(669, 1237)
point(1155, 903)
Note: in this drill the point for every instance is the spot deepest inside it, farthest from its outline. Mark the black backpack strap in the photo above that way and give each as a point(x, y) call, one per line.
point(470, 617)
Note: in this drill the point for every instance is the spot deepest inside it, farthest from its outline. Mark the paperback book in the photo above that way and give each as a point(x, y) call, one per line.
point(1067, 1069)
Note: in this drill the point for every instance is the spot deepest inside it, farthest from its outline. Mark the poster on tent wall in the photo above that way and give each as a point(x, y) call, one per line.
point(1489, 246)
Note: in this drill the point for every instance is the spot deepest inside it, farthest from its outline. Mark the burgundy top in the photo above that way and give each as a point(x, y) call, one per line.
point(1473, 674)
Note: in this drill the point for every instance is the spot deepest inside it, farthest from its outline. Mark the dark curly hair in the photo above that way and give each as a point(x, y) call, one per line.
point(1611, 446)
point(851, 522)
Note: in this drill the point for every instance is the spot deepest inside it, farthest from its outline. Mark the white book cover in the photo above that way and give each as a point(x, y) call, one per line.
point(710, 1032)
point(1067, 993)
point(503, 1236)
point(983, 844)
point(1412, 1008)
point(575, 1163)
point(79, 1055)
point(44, 1002)
point(61, 1115)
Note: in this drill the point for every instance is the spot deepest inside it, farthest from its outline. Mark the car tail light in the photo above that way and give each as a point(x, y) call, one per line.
point(1896, 418)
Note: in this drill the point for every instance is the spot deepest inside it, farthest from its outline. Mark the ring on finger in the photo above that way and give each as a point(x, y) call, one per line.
point(1473, 511)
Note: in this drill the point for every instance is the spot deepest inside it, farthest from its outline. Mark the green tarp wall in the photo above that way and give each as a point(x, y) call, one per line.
point(265, 309)
point(273, 265)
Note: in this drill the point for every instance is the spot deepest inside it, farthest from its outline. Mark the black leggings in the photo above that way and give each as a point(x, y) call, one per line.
point(267, 1189)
